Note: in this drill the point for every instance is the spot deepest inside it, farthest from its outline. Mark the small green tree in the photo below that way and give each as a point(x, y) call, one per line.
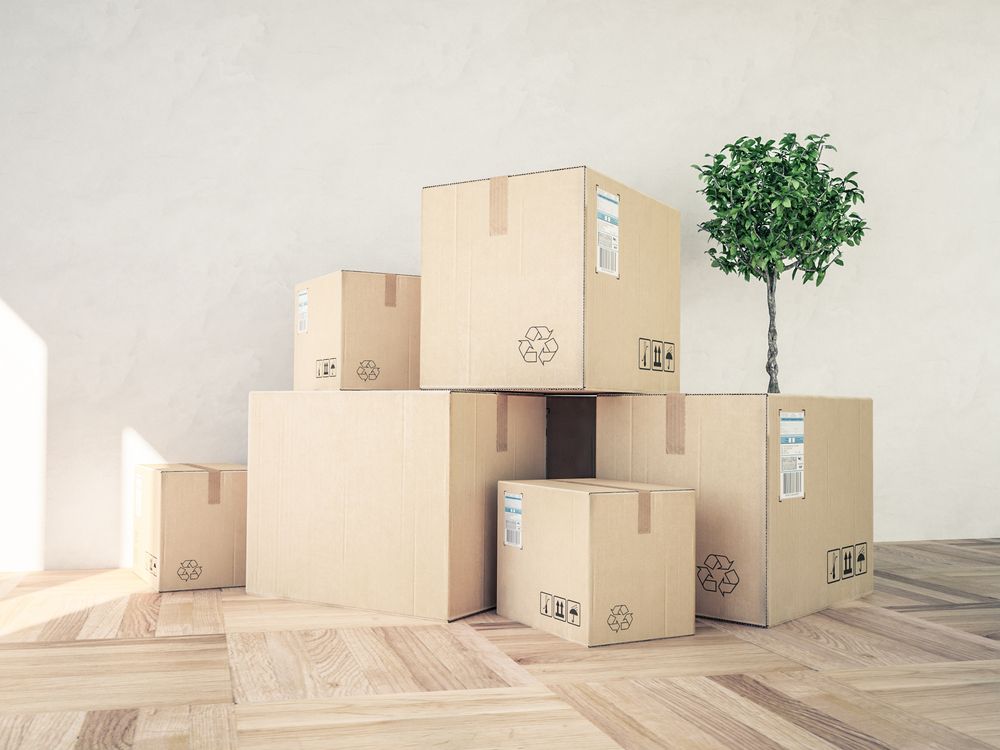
point(777, 207)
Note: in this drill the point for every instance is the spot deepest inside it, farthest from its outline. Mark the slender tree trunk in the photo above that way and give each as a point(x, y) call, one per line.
point(772, 335)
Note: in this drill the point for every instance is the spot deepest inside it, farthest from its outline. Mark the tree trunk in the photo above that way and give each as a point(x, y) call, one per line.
point(772, 335)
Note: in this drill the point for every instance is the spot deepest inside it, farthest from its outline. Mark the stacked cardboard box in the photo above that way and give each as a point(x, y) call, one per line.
point(190, 525)
point(366, 492)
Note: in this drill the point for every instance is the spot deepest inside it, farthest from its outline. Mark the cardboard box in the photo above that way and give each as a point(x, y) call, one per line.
point(517, 295)
point(784, 493)
point(190, 525)
point(356, 330)
point(384, 500)
point(596, 561)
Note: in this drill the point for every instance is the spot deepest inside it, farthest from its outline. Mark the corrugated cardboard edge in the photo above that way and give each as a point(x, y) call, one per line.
point(767, 519)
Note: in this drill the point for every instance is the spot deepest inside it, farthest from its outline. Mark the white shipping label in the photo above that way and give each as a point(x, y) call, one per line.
point(792, 436)
point(512, 520)
point(302, 311)
point(607, 233)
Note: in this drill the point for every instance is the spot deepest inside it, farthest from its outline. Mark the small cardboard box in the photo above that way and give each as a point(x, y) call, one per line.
point(563, 280)
point(359, 331)
point(190, 525)
point(384, 500)
point(596, 561)
point(784, 493)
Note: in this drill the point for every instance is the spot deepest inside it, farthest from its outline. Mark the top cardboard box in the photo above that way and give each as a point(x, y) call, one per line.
point(563, 280)
point(357, 331)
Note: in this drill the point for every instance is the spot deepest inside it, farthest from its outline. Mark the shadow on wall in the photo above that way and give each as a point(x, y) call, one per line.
point(23, 386)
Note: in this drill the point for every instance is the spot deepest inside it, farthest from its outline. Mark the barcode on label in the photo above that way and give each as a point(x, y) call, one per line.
point(607, 261)
point(607, 232)
point(512, 535)
point(512, 520)
point(791, 484)
point(792, 439)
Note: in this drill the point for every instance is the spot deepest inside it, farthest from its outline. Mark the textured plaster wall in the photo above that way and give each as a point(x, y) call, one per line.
point(169, 169)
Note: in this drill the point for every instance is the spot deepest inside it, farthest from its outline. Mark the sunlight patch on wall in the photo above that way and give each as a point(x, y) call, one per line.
point(23, 392)
point(135, 450)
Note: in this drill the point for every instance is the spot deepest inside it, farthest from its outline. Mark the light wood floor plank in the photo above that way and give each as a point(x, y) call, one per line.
point(93, 675)
point(190, 613)
point(964, 696)
point(868, 713)
point(521, 717)
point(250, 614)
point(51, 731)
point(553, 660)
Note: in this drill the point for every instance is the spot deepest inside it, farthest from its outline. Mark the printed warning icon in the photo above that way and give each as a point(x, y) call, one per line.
point(718, 574)
point(657, 355)
point(538, 345)
point(860, 558)
point(573, 612)
point(620, 618)
point(559, 608)
point(545, 603)
point(832, 565)
point(645, 363)
point(668, 357)
point(847, 562)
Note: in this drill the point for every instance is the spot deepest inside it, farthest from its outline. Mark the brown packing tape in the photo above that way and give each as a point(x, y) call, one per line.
point(391, 282)
point(501, 423)
point(214, 483)
point(674, 424)
point(498, 206)
point(644, 524)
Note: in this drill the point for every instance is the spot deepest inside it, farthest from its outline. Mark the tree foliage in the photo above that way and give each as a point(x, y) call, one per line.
point(778, 207)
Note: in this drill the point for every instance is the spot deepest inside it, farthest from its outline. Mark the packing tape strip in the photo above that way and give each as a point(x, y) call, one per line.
point(501, 423)
point(674, 423)
point(214, 483)
point(644, 524)
point(498, 206)
point(391, 281)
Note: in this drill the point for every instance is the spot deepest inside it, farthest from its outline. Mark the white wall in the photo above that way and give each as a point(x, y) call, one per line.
point(168, 169)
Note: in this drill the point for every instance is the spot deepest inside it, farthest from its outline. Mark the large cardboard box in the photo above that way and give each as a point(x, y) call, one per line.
point(190, 525)
point(384, 500)
point(560, 280)
point(784, 493)
point(356, 330)
point(595, 561)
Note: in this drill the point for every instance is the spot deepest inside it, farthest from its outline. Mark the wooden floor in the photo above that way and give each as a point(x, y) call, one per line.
point(91, 659)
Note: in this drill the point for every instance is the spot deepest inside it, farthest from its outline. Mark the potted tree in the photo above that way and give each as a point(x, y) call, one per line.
point(778, 207)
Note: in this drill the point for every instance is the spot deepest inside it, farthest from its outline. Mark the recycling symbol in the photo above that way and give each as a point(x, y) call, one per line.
point(368, 370)
point(620, 618)
point(538, 345)
point(718, 574)
point(189, 570)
